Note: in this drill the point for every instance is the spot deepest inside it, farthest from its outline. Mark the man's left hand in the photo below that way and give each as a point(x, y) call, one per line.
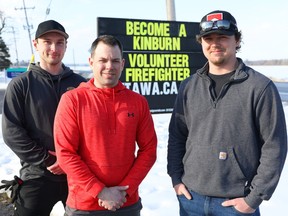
point(240, 205)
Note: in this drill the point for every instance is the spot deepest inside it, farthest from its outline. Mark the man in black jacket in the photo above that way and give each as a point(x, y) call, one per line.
point(30, 103)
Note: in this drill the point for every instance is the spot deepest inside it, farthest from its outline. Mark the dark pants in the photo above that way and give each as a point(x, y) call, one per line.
point(133, 210)
point(38, 197)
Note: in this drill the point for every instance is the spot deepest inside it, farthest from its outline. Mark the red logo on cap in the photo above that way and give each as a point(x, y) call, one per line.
point(216, 16)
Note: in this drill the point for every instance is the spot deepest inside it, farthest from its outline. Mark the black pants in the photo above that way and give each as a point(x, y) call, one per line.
point(37, 197)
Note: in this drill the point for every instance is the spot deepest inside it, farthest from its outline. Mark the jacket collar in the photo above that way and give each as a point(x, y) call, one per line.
point(240, 73)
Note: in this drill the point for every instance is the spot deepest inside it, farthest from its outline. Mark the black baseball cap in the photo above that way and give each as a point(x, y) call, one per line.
point(50, 26)
point(218, 21)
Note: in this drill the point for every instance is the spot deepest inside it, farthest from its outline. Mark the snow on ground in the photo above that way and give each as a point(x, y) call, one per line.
point(156, 190)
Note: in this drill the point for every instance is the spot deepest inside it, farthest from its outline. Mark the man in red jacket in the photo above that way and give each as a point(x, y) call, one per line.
point(97, 127)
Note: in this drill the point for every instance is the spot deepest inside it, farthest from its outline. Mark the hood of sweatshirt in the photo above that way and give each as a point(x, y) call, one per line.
point(106, 91)
point(35, 67)
point(109, 99)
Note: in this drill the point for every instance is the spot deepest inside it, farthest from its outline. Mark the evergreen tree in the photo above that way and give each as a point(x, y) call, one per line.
point(4, 50)
point(4, 55)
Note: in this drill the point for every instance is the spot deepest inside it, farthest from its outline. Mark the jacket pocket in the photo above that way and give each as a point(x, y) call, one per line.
point(213, 171)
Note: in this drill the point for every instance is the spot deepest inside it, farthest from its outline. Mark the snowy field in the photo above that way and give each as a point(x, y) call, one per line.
point(156, 190)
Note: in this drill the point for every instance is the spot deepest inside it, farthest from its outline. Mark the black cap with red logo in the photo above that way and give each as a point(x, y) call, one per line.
point(220, 22)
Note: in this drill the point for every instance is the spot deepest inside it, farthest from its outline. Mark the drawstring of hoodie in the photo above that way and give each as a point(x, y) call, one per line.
point(113, 113)
point(57, 89)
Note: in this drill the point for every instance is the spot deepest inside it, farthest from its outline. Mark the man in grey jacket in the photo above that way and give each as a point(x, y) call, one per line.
point(227, 134)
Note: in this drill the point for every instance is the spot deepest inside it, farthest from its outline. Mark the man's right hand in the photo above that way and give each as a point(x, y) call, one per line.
point(181, 189)
point(112, 198)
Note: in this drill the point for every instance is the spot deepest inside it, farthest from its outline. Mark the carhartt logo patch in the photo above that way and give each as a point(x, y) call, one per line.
point(222, 155)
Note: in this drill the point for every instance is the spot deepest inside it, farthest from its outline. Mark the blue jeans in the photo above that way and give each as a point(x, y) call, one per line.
point(207, 206)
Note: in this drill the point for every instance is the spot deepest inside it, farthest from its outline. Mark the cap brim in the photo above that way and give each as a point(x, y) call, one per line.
point(217, 31)
point(55, 31)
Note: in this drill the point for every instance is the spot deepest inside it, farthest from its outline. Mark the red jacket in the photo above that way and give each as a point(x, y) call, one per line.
point(96, 132)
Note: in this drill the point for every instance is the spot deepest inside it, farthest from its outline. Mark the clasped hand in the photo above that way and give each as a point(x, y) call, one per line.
point(112, 198)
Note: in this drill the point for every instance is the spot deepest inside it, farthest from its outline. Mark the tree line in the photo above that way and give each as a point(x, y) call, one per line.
point(267, 62)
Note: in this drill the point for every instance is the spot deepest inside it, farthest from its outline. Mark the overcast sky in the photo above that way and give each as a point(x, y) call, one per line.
point(263, 23)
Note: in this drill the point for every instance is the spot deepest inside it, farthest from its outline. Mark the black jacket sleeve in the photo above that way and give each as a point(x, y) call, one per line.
point(178, 134)
point(15, 133)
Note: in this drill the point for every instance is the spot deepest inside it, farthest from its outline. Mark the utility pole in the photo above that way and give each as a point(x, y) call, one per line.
point(171, 14)
point(48, 10)
point(28, 27)
point(17, 60)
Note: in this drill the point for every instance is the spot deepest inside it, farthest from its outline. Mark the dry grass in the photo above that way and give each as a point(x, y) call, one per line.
point(6, 208)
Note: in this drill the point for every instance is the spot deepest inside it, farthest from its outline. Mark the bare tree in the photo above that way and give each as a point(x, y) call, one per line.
point(2, 21)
